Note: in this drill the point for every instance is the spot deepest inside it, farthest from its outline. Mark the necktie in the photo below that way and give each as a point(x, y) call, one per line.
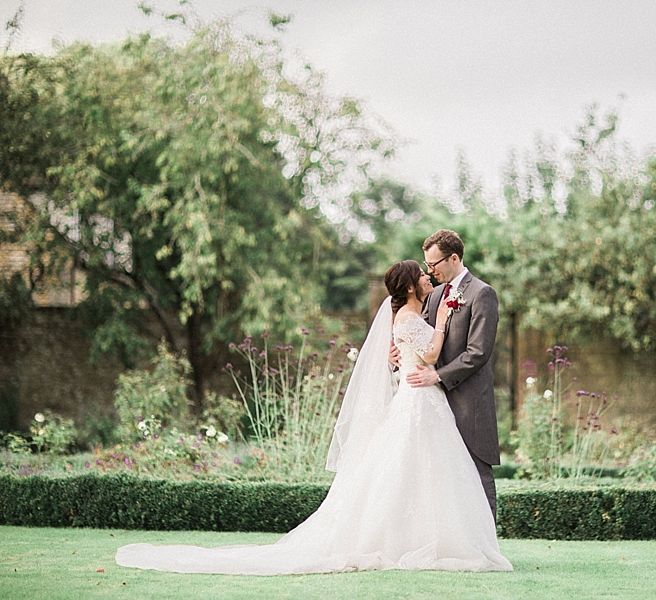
point(447, 291)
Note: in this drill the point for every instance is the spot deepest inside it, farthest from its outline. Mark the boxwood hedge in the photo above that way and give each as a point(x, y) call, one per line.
point(128, 502)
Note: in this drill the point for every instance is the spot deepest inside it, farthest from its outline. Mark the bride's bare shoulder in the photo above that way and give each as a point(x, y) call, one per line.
point(405, 315)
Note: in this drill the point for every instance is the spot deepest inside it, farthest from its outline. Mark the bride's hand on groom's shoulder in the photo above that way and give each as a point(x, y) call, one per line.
point(422, 376)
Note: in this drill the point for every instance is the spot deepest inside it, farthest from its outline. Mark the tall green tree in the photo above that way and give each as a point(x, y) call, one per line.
point(194, 182)
point(586, 263)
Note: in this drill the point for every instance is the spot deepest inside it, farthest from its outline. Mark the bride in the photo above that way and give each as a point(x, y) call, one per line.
point(406, 494)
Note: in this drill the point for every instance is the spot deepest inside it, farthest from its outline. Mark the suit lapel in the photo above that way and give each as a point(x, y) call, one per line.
point(466, 280)
point(462, 286)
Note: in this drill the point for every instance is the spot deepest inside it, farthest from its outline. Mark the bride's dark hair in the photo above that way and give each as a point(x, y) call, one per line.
point(399, 278)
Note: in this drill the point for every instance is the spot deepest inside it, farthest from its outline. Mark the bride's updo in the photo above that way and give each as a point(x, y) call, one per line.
point(400, 277)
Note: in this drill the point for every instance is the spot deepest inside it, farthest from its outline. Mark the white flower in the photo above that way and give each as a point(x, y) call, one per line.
point(222, 438)
point(352, 354)
point(141, 425)
point(39, 417)
point(548, 394)
point(211, 431)
point(530, 382)
point(331, 376)
point(40, 432)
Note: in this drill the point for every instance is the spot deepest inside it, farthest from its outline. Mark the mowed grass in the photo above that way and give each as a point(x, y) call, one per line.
point(52, 563)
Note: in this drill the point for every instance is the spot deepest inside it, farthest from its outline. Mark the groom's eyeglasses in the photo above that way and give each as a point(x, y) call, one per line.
point(432, 265)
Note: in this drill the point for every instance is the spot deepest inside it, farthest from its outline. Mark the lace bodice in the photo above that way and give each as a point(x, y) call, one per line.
point(412, 336)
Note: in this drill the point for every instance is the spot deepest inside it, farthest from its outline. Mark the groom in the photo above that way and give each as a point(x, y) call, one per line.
point(464, 368)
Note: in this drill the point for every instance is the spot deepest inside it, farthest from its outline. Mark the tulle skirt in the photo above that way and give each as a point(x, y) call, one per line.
point(413, 500)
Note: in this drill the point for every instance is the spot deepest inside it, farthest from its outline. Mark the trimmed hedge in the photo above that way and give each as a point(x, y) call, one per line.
point(604, 513)
point(128, 502)
point(509, 470)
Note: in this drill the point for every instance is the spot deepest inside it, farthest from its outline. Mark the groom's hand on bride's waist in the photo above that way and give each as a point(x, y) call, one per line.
point(422, 376)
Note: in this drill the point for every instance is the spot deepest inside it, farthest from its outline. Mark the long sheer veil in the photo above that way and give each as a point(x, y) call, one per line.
point(368, 393)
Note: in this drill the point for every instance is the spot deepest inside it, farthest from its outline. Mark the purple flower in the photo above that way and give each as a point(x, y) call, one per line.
point(126, 460)
point(87, 465)
point(237, 460)
point(582, 393)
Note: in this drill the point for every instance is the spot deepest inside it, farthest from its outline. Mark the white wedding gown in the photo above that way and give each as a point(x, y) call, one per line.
point(412, 500)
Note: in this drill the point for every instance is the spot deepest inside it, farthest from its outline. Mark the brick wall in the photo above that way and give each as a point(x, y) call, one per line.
point(64, 288)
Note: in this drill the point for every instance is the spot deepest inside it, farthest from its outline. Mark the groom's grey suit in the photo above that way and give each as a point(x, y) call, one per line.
point(466, 372)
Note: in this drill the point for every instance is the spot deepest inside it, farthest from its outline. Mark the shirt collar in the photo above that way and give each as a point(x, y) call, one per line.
point(455, 282)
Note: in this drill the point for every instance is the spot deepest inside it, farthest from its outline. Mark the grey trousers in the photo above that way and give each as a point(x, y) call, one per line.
point(487, 479)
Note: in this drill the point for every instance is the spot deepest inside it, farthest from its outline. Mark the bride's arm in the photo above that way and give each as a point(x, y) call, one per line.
point(437, 340)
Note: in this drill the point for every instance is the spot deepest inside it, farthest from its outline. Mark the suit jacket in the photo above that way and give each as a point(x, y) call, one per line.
point(465, 364)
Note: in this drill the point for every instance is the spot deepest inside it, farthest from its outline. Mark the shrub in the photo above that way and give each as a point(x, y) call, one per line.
point(49, 433)
point(124, 501)
point(534, 434)
point(642, 464)
point(17, 444)
point(549, 447)
point(225, 413)
point(291, 398)
point(147, 400)
point(52, 433)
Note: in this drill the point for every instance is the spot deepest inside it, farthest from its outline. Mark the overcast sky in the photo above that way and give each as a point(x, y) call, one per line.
point(484, 76)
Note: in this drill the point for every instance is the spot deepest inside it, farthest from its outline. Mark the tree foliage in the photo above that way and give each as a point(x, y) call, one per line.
point(196, 182)
point(570, 246)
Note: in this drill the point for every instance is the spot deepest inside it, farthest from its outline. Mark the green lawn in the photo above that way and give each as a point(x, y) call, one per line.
point(63, 563)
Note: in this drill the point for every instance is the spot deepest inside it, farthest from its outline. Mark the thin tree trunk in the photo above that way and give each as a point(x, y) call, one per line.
point(514, 368)
point(196, 359)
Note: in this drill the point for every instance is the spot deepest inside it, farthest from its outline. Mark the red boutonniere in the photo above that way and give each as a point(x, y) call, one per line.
point(455, 301)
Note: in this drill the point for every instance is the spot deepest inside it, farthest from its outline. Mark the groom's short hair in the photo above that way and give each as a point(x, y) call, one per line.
point(447, 241)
